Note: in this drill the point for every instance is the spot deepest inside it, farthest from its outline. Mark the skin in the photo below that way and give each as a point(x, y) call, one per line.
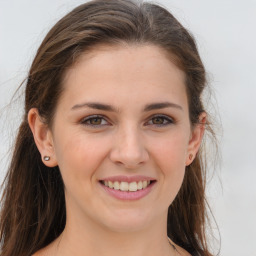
point(128, 141)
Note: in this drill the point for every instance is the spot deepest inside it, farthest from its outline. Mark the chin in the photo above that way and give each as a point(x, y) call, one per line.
point(128, 221)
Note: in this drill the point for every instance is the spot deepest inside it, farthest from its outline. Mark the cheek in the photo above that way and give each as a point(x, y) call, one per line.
point(171, 151)
point(79, 155)
point(170, 159)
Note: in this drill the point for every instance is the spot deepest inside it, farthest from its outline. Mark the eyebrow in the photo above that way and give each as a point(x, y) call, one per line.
point(107, 107)
point(95, 105)
point(161, 105)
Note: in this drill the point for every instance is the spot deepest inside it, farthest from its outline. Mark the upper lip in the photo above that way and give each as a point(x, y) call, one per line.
point(128, 178)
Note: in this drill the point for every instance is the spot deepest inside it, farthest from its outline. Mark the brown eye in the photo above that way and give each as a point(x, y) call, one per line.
point(94, 121)
point(158, 120)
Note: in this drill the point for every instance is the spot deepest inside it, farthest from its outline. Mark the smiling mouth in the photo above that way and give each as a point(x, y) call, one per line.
point(127, 186)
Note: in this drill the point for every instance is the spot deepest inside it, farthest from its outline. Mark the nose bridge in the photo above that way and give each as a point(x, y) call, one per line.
point(128, 146)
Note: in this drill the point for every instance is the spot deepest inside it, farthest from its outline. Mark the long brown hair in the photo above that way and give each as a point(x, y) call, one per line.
point(33, 203)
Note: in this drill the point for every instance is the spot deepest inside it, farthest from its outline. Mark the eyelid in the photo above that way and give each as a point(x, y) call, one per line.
point(85, 119)
point(166, 117)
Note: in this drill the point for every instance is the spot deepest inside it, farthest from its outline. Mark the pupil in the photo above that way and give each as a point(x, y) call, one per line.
point(158, 120)
point(96, 121)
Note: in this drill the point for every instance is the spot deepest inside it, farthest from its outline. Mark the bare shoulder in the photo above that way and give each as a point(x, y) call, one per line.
point(50, 249)
point(40, 253)
point(181, 251)
point(46, 251)
point(37, 254)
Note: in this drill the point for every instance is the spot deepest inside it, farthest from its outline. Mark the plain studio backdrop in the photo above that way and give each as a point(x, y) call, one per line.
point(226, 36)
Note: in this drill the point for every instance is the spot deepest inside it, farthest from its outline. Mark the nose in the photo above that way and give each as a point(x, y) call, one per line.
point(128, 149)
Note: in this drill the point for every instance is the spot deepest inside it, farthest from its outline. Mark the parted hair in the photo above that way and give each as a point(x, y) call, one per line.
point(33, 203)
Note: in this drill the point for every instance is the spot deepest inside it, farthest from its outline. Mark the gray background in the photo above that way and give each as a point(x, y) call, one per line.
point(226, 36)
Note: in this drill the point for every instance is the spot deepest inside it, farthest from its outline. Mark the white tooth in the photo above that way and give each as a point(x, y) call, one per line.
point(148, 182)
point(133, 186)
point(110, 184)
point(116, 185)
point(140, 185)
point(144, 184)
point(124, 186)
point(105, 183)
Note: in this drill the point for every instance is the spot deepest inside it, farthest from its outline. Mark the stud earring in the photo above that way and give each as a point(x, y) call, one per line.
point(46, 158)
point(190, 156)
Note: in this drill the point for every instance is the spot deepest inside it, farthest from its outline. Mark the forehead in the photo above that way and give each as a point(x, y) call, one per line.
point(143, 55)
point(124, 71)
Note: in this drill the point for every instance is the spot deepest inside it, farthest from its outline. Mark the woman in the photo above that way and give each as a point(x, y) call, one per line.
point(107, 160)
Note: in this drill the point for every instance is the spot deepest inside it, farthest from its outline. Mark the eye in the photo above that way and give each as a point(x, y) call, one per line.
point(95, 121)
point(160, 120)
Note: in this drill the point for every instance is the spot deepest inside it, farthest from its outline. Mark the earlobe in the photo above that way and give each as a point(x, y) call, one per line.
point(42, 137)
point(196, 139)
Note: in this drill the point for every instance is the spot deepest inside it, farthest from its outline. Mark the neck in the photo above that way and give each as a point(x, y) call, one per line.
point(81, 239)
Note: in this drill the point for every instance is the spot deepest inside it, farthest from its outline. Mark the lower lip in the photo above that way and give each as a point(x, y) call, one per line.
point(127, 195)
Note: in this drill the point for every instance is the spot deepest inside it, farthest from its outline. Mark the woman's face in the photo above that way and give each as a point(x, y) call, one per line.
point(122, 122)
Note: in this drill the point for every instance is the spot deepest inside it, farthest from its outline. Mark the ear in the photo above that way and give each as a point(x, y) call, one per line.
point(43, 137)
point(196, 139)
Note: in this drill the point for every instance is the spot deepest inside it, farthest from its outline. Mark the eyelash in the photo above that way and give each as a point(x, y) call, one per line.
point(90, 118)
point(166, 121)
